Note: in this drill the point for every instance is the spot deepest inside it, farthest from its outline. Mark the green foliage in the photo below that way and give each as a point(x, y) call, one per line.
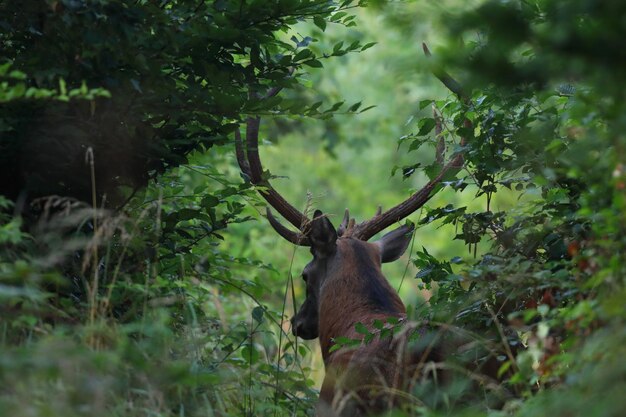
point(160, 81)
point(140, 311)
point(167, 335)
point(556, 263)
point(14, 88)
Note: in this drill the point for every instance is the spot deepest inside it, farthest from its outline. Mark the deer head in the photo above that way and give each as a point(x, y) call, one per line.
point(333, 260)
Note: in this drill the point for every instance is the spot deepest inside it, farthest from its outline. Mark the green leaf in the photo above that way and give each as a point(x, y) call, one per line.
point(337, 16)
point(187, 214)
point(209, 201)
point(335, 107)
point(62, 87)
point(257, 314)
point(360, 328)
point(424, 103)
point(320, 22)
point(250, 354)
point(354, 107)
point(426, 126)
point(342, 341)
point(368, 46)
point(313, 63)
point(354, 45)
point(303, 54)
point(503, 368)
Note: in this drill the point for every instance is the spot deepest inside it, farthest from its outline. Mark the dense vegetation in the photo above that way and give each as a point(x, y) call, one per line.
point(137, 277)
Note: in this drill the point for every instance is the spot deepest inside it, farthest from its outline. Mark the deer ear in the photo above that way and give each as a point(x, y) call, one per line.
point(323, 235)
point(394, 243)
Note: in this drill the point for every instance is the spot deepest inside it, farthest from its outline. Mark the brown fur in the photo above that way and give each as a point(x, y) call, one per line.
point(357, 379)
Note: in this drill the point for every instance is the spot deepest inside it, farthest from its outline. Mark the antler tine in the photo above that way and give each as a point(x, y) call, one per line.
point(344, 223)
point(452, 85)
point(250, 164)
point(445, 78)
point(289, 212)
point(299, 239)
point(369, 228)
point(440, 151)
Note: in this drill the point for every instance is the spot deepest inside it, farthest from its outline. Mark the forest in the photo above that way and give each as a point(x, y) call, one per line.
point(140, 272)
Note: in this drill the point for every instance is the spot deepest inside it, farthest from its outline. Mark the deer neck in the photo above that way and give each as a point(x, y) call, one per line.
point(348, 299)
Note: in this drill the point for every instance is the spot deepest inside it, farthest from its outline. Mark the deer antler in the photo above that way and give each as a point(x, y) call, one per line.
point(369, 228)
point(250, 164)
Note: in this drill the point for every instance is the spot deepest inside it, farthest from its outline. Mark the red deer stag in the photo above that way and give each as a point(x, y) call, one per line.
point(345, 286)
